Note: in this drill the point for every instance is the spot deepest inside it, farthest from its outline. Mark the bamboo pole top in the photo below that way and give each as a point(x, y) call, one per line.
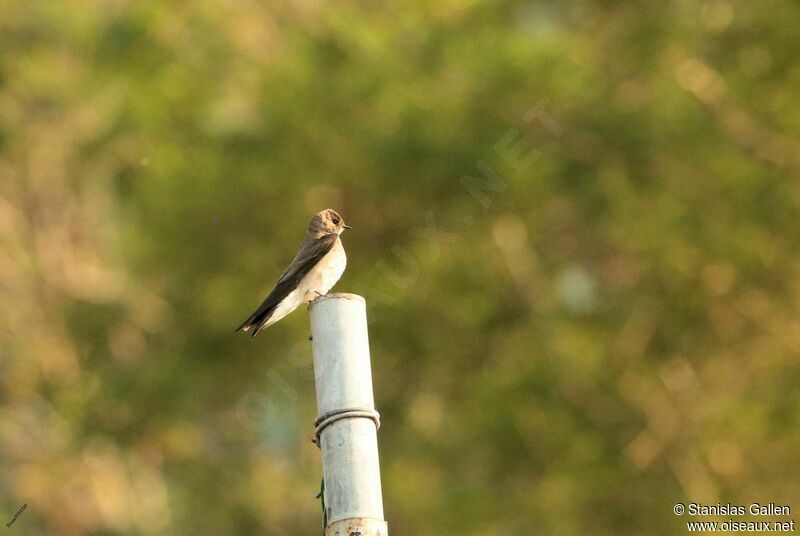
point(336, 295)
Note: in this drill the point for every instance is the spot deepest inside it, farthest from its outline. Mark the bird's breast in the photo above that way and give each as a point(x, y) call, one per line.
point(325, 274)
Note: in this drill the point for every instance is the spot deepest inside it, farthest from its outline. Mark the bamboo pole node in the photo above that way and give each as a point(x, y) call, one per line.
point(323, 421)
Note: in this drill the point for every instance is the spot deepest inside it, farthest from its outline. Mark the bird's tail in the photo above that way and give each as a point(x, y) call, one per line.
point(256, 322)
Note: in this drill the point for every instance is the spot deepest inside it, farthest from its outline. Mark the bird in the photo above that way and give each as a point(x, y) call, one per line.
point(318, 265)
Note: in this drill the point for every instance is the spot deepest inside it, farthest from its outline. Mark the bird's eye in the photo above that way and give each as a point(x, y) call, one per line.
point(336, 221)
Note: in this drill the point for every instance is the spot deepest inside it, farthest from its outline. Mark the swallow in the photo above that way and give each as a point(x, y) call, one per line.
point(318, 265)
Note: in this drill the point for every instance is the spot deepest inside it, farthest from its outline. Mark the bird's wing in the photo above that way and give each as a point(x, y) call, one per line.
point(311, 252)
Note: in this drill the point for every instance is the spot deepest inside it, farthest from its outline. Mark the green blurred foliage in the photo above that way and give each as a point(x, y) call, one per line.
point(575, 224)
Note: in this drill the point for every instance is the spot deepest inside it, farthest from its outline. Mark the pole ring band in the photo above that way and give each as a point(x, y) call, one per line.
point(323, 421)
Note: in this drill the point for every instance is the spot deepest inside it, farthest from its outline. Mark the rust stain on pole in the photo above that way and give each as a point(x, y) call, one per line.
point(357, 526)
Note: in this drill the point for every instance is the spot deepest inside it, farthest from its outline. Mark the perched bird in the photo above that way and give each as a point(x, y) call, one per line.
point(314, 270)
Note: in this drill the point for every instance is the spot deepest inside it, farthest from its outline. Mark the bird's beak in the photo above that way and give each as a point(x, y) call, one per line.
point(346, 226)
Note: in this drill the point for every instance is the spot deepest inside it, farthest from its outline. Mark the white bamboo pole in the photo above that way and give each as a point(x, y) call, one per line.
point(347, 423)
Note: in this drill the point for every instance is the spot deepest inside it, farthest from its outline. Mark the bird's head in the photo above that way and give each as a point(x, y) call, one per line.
point(327, 221)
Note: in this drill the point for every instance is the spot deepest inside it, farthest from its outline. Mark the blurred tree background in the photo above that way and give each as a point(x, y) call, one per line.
point(575, 224)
